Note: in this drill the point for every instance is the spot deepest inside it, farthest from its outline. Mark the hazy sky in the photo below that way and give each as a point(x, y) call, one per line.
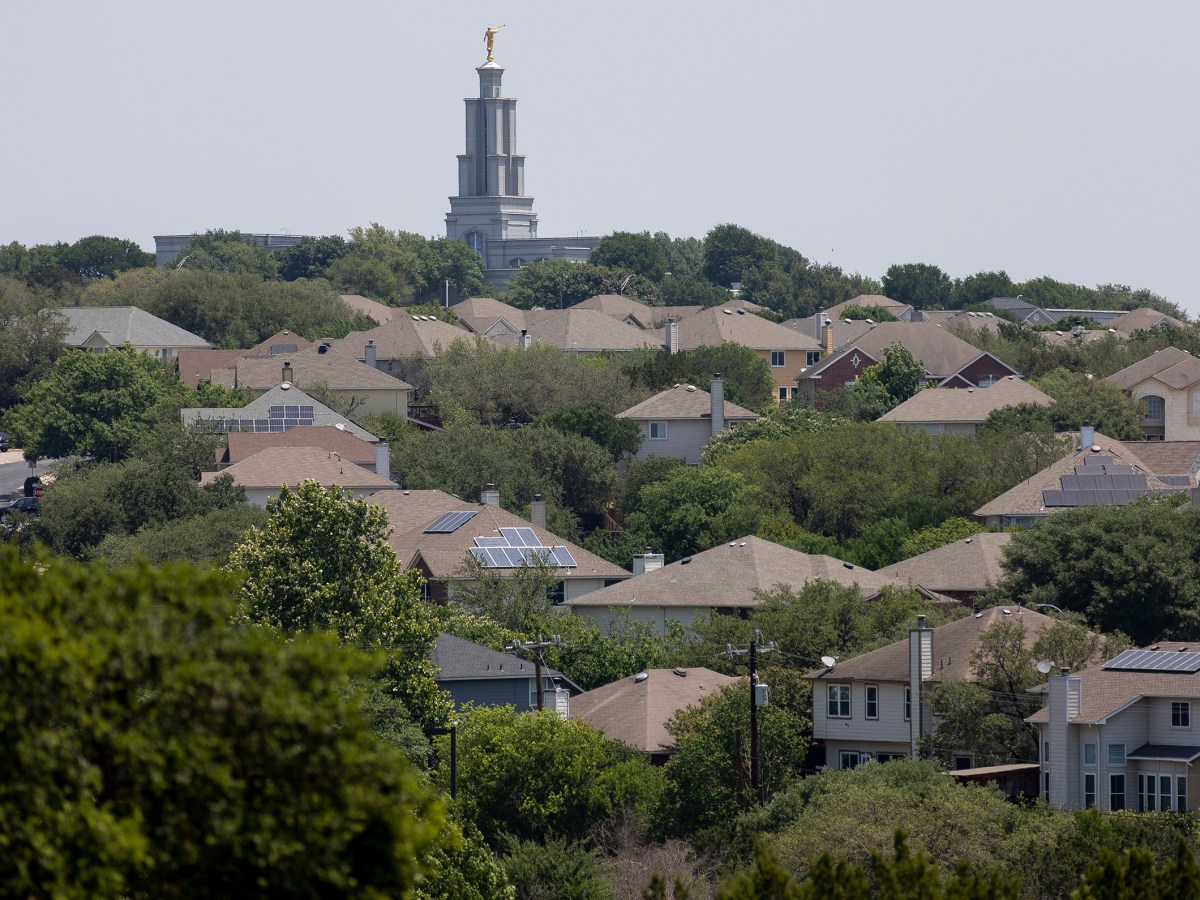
point(1043, 138)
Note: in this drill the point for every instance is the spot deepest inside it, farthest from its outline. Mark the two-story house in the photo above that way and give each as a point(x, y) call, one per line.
point(679, 421)
point(874, 706)
point(1168, 384)
point(1121, 735)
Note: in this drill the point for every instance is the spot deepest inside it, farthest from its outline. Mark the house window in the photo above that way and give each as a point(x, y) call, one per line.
point(1089, 754)
point(658, 431)
point(1181, 804)
point(783, 393)
point(872, 701)
point(1116, 754)
point(1089, 790)
point(1154, 793)
point(848, 759)
point(839, 701)
point(557, 593)
point(907, 704)
point(1045, 751)
point(812, 357)
point(1116, 788)
point(987, 381)
point(1046, 786)
point(1155, 408)
point(963, 762)
point(167, 353)
point(777, 358)
point(1181, 714)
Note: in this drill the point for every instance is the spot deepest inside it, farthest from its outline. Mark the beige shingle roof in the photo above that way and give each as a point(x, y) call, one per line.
point(895, 307)
point(119, 325)
point(277, 466)
point(207, 365)
point(244, 444)
point(1167, 457)
point(964, 405)
point(1025, 499)
point(939, 351)
point(1142, 317)
point(377, 312)
point(1151, 366)
point(970, 564)
point(728, 576)
point(409, 512)
point(616, 306)
point(310, 368)
point(583, 331)
point(953, 644)
point(683, 401)
point(635, 710)
point(712, 326)
point(480, 313)
point(403, 337)
point(1104, 692)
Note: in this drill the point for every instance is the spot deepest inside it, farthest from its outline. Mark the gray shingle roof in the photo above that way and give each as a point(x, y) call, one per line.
point(1172, 366)
point(461, 660)
point(684, 402)
point(377, 312)
point(964, 405)
point(940, 352)
point(125, 324)
point(277, 466)
point(970, 564)
point(582, 331)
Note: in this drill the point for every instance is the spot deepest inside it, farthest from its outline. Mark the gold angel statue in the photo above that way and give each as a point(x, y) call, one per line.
point(490, 37)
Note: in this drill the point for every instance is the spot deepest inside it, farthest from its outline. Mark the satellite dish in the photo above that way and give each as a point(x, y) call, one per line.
point(828, 661)
point(1045, 665)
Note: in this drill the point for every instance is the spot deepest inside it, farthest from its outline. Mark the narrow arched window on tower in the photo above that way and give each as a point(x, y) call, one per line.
point(475, 241)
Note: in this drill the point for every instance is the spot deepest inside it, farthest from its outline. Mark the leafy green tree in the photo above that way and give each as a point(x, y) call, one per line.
point(693, 510)
point(322, 563)
point(1126, 568)
point(30, 340)
point(517, 602)
point(592, 659)
point(729, 250)
point(981, 287)
point(380, 263)
point(620, 437)
point(462, 867)
point(639, 254)
point(781, 421)
point(207, 537)
point(152, 751)
point(93, 404)
point(559, 283)
point(445, 260)
point(875, 313)
point(898, 373)
point(746, 375)
point(1133, 875)
point(311, 256)
point(228, 251)
point(1079, 398)
point(555, 868)
point(535, 774)
point(920, 285)
point(102, 257)
point(930, 538)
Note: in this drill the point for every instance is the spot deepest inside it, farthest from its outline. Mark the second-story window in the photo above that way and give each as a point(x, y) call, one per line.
point(777, 358)
point(872, 701)
point(658, 431)
point(839, 701)
point(1181, 714)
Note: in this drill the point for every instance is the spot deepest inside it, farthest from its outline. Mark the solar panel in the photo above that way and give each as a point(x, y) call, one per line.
point(518, 547)
point(1155, 661)
point(481, 556)
point(563, 557)
point(275, 412)
point(521, 537)
point(450, 522)
point(491, 542)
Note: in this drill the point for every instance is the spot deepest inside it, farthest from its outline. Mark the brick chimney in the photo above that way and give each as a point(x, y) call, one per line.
point(827, 339)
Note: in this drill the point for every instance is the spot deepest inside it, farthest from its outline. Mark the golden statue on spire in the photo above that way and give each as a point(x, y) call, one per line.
point(490, 37)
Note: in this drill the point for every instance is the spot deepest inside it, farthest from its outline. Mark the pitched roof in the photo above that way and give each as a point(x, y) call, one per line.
point(940, 352)
point(410, 512)
point(711, 326)
point(895, 307)
point(404, 336)
point(1172, 366)
point(196, 366)
point(728, 575)
point(683, 401)
point(1108, 691)
point(1142, 317)
point(953, 644)
point(582, 331)
point(1029, 497)
point(277, 466)
point(119, 325)
point(964, 405)
point(635, 710)
point(616, 306)
point(315, 366)
point(259, 408)
point(844, 333)
point(280, 342)
point(1167, 457)
point(479, 314)
point(244, 444)
point(457, 659)
point(970, 564)
point(957, 318)
point(379, 313)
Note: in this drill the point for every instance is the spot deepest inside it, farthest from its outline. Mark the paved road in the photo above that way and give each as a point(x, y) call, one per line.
point(14, 470)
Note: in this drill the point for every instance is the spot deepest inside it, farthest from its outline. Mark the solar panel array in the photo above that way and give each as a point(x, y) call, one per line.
point(1099, 482)
point(1155, 661)
point(290, 412)
point(448, 523)
point(225, 426)
point(519, 547)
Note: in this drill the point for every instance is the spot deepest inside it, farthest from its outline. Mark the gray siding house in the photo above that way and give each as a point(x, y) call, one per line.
point(679, 421)
point(472, 673)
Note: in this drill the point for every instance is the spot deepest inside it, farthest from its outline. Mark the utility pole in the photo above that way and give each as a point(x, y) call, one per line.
point(756, 781)
point(534, 649)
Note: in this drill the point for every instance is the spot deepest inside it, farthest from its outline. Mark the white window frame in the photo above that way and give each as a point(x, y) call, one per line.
point(837, 696)
point(1181, 714)
point(782, 393)
point(812, 357)
point(657, 426)
point(1160, 403)
point(1089, 754)
point(781, 355)
point(1116, 755)
point(907, 704)
point(851, 756)
point(871, 699)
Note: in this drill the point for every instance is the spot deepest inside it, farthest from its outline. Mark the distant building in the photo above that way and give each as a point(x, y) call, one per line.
point(167, 247)
point(491, 211)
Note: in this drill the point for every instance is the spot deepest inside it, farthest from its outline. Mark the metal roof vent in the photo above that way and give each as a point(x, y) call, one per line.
point(640, 677)
point(1006, 611)
point(682, 673)
point(691, 388)
point(727, 312)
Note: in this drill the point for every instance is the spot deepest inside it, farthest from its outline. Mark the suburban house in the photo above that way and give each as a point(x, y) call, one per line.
point(949, 361)
point(958, 571)
point(472, 673)
point(786, 351)
point(218, 366)
point(960, 411)
point(280, 409)
point(635, 710)
point(1026, 313)
point(1098, 470)
point(874, 706)
point(405, 337)
point(1168, 384)
point(102, 328)
point(1120, 735)
point(487, 317)
point(1142, 319)
point(580, 331)
point(265, 474)
point(679, 421)
point(379, 313)
point(901, 311)
point(436, 533)
point(242, 445)
point(640, 315)
point(725, 579)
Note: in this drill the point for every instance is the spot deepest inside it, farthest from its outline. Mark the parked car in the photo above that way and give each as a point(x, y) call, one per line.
point(28, 506)
point(3, 442)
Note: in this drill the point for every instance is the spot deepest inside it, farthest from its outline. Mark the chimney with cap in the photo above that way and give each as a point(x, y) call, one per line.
point(288, 374)
point(820, 321)
point(537, 511)
point(525, 339)
point(383, 459)
point(1087, 435)
point(827, 339)
point(489, 496)
point(672, 336)
point(716, 390)
point(369, 354)
point(647, 562)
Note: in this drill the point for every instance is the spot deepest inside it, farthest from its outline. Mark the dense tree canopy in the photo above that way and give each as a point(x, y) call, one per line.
point(559, 283)
point(638, 254)
point(920, 285)
point(30, 340)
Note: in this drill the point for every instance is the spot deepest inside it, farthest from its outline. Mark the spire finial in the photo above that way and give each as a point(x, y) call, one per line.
point(490, 36)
